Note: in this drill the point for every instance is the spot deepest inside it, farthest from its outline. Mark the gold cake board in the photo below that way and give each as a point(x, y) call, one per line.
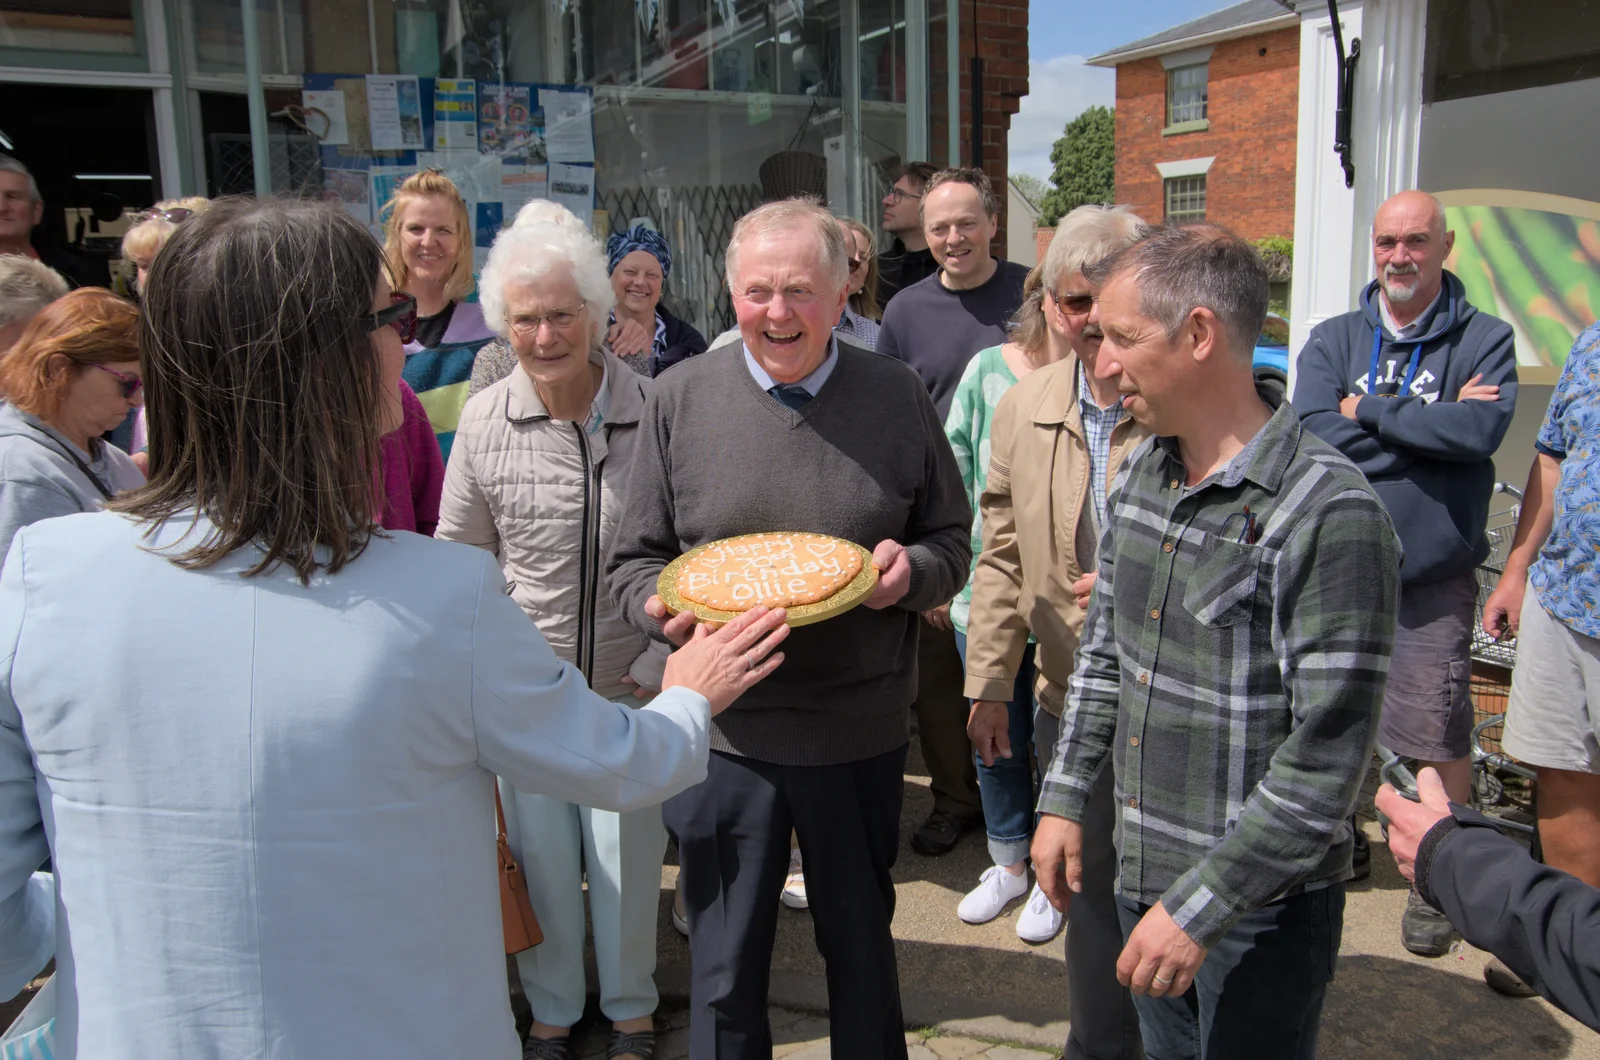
point(855, 591)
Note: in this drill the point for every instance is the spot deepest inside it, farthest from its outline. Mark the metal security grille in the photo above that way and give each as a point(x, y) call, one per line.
point(1186, 94)
point(1186, 198)
point(697, 222)
point(296, 164)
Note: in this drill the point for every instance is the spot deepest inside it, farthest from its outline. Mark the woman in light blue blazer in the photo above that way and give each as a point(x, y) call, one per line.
point(269, 802)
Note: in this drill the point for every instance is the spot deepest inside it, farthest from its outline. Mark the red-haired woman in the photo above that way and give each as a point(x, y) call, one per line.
point(72, 376)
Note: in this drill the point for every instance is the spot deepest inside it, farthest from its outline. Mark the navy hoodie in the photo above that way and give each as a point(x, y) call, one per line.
point(1428, 456)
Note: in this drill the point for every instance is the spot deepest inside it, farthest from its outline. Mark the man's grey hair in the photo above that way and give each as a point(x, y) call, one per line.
point(526, 253)
point(787, 215)
point(1086, 235)
point(8, 164)
point(26, 286)
point(1181, 268)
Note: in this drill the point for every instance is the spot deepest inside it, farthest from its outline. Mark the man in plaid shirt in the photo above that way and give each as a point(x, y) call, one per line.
point(1233, 666)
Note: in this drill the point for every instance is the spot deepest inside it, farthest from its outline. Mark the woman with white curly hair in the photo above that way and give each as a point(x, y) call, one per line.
point(497, 360)
point(537, 477)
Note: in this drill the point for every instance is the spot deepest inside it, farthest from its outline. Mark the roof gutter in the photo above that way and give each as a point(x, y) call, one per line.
point(1249, 29)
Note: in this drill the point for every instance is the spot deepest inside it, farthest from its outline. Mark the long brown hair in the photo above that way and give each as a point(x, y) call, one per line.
point(422, 185)
point(865, 301)
point(263, 385)
point(87, 326)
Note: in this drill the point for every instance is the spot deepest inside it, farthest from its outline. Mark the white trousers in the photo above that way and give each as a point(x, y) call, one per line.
point(558, 843)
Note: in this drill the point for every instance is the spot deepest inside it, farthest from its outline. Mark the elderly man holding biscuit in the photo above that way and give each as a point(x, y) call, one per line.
point(789, 431)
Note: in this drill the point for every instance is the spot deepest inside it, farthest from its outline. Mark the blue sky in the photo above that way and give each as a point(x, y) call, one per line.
point(1061, 33)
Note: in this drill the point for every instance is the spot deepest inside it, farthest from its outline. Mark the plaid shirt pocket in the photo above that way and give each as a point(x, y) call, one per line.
point(1223, 586)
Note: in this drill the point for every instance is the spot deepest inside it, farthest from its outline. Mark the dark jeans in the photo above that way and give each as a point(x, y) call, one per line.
point(733, 844)
point(1007, 787)
point(1259, 993)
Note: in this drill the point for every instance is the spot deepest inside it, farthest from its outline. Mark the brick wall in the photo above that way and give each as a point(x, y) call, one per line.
point(1002, 41)
point(1252, 107)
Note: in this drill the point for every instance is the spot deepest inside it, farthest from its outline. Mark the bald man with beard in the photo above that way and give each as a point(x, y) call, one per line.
point(1417, 388)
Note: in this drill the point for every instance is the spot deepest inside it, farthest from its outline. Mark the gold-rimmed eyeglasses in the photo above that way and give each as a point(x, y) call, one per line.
point(560, 319)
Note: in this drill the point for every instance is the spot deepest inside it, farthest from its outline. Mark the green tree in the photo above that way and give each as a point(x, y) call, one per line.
point(1033, 188)
point(1085, 165)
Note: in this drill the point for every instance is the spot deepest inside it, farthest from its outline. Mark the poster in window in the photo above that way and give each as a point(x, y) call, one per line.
point(455, 115)
point(509, 124)
point(351, 189)
point(568, 125)
point(394, 110)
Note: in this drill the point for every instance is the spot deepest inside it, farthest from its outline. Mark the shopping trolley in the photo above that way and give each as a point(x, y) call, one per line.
point(1501, 786)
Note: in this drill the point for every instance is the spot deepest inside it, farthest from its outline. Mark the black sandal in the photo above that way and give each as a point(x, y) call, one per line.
point(633, 1043)
point(547, 1048)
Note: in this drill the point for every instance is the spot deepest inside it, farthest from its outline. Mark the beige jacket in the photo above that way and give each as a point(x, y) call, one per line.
point(545, 498)
point(1038, 535)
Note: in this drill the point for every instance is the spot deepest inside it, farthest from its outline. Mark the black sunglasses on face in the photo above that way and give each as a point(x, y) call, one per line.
point(401, 315)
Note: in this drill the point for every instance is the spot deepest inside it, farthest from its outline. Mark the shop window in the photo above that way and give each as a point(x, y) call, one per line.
point(702, 108)
point(1186, 94)
point(1186, 198)
point(95, 27)
point(218, 36)
point(1476, 47)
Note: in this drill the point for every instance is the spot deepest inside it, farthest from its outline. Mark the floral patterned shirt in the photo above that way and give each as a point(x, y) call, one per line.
point(1566, 576)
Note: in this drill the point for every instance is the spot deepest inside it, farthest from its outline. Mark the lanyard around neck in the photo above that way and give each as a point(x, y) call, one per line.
point(1372, 373)
point(94, 480)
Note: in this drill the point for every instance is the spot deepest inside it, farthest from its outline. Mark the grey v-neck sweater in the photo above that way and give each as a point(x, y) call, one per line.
point(865, 460)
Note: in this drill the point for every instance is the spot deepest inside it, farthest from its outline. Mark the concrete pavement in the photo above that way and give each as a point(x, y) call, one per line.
point(983, 983)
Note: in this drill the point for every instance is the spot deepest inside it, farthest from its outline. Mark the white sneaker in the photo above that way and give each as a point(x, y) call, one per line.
point(680, 917)
point(996, 888)
point(794, 888)
point(1039, 921)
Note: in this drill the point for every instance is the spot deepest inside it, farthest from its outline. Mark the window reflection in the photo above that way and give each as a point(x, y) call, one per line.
point(103, 27)
point(1482, 46)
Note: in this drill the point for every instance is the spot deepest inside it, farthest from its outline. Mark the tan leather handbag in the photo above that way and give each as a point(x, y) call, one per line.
point(516, 911)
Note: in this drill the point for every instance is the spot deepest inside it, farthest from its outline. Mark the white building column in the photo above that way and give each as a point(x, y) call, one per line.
point(1332, 223)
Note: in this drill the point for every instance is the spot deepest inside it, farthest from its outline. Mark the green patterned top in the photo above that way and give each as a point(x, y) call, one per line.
point(987, 376)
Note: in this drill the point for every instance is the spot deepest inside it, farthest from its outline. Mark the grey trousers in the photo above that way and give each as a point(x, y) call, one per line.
point(1104, 1023)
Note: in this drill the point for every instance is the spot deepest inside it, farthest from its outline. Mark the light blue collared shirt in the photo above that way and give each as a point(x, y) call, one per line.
point(812, 383)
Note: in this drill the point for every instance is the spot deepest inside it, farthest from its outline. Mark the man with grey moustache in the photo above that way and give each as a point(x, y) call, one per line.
point(1417, 388)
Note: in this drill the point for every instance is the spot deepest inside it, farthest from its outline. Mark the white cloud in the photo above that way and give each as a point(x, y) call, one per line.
point(1059, 90)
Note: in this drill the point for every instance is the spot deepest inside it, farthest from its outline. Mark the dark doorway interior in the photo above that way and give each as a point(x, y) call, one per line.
point(62, 132)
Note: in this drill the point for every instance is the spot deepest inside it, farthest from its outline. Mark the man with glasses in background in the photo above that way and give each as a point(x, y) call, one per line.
point(908, 259)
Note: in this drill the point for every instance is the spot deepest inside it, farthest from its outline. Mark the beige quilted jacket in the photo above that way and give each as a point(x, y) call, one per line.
point(545, 498)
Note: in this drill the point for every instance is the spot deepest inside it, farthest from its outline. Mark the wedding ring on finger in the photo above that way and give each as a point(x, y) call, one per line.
point(1162, 982)
point(749, 663)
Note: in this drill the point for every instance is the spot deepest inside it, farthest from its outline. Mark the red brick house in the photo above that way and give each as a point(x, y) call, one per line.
point(1206, 119)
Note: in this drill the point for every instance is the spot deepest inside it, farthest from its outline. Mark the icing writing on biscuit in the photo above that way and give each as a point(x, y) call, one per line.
point(772, 569)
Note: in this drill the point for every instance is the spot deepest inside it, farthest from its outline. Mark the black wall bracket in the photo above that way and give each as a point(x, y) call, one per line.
point(1345, 107)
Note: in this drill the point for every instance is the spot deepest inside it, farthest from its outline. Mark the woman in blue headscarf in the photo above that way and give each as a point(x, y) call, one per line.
point(640, 262)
